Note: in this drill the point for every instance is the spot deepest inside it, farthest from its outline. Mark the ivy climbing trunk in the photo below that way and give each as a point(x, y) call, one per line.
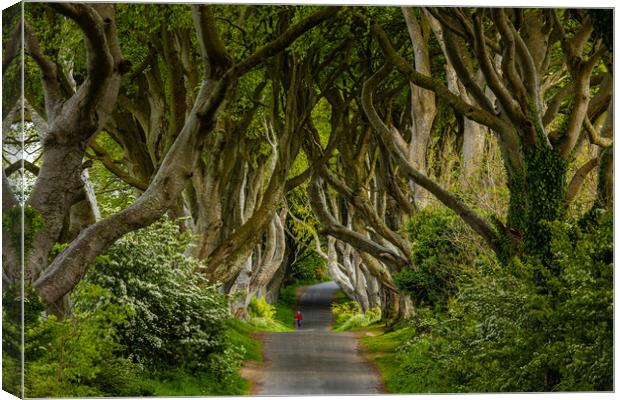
point(537, 196)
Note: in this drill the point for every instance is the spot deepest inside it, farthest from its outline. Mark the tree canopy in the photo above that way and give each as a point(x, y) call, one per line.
point(269, 134)
point(190, 114)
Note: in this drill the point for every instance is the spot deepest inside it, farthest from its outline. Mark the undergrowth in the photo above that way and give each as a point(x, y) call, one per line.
point(348, 314)
point(263, 317)
point(531, 325)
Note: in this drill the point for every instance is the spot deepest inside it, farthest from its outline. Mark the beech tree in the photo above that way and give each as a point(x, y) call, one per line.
point(536, 147)
point(75, 119)
point(213, 114)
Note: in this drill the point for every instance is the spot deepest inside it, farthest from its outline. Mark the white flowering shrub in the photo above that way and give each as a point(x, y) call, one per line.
point(179, 320)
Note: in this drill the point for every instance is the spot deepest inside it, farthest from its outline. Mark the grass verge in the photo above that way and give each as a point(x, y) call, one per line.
point(381, 349)
point(184, 383)
point(243, 334)
point(285, 306)
point(399, 352)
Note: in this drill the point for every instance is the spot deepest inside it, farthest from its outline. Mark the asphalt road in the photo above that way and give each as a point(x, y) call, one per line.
point(313, 360)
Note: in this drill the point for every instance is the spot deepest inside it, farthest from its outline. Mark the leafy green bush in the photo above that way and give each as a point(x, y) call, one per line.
point(11, 334)
point(180, 382)
point(264, 316)
point(177, 320)
point(386, 351)
point(286, 305)
point(261, 313)
point(259, 308)
point(143, 322)
point(418, 370)
point(344, 310)
point(77, 357)
point(527, 326)
point(440, 254)
point(348, 315)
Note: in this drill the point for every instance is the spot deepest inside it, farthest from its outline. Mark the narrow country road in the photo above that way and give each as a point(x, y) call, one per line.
point(313, 360)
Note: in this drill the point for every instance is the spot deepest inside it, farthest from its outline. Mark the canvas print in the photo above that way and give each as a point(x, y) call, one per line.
point(214, 199)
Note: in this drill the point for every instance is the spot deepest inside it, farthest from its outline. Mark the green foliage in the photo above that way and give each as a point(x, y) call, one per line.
point(113, 194)
point(141, 26)
point(413, 369)
point(286, 305)
point(84, 356)
point(585, 303)
point(303, 227)
point(263, 316)
point(348, 315)
point(12, 301)
point(438, 257)
point(11, 370)
point(536, 196)
point(310, 267)
point(605, 157)
point(385, 350)
point(603, 24)
point(143, 322)
point(57, 248)
point(509, 330)
point(12, 224)
point(77, 357)
point(61, 40)
point(240, 333)
point(178, 320)
point(259, 308)
point(180, 382)
point(546, 192)
point(518, 203)
point(388, 342)
point(288, 295)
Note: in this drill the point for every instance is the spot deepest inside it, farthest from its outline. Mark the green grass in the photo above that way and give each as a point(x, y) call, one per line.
point(184, 383)
point(240, 335)
point(341, 297)
point(285, 307)
point(268, 325)
point(395, 364)
point(340, 300)
point(388, 342)
point(382, 350)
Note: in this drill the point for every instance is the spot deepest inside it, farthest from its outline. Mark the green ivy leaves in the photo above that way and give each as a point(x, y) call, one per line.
point(33, 222)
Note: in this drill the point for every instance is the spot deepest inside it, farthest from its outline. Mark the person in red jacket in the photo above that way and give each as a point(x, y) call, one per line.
point(298, 318)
